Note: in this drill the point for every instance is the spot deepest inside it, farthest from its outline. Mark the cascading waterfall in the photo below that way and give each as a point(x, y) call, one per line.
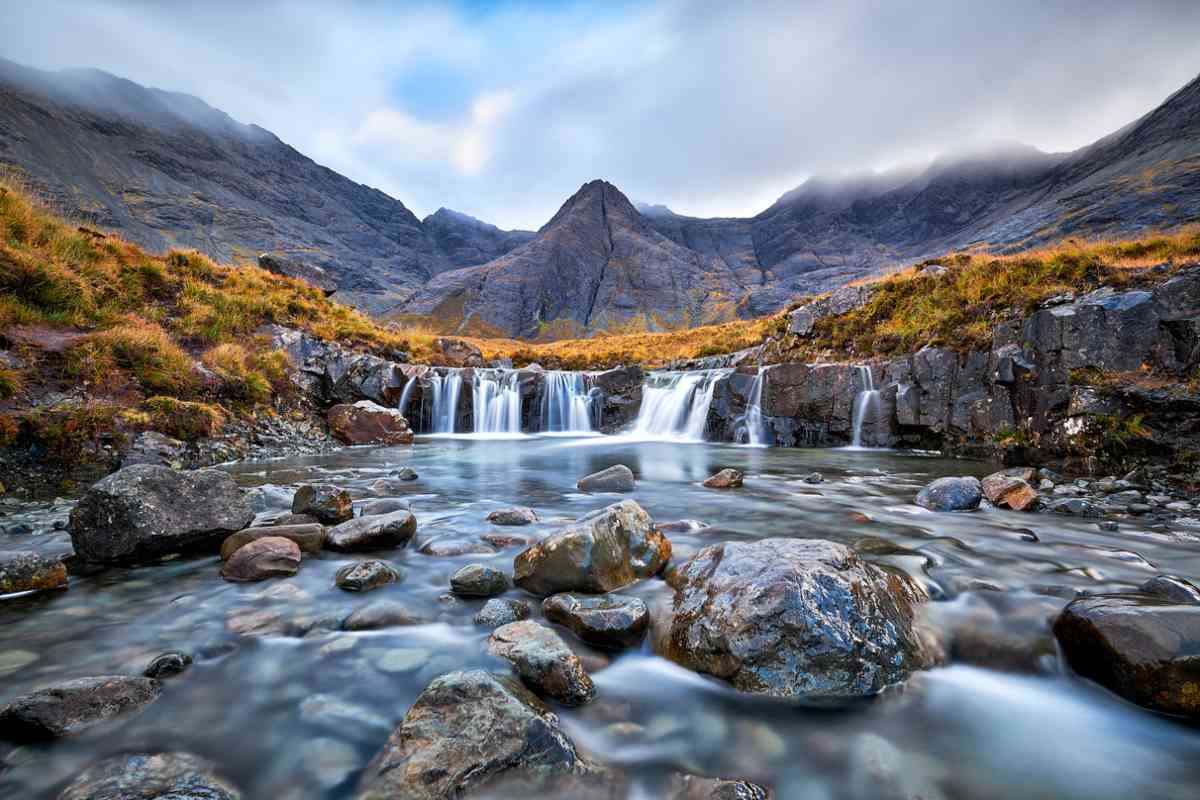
point(675, 404)
point(496, 395)
point(752, 426)
point(406, 396)
point(866, 400)
point(446, 389)
point(566, 406)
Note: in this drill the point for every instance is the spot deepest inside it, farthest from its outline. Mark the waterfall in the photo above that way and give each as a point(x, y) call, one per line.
point(752, 421)
point(445, 401)
point(497, 401)
point(675, 404)
point(566, 406)
point(866, 400)
point(406, 396)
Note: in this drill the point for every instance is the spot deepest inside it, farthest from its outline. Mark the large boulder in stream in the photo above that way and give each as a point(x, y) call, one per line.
point(67, 708)
point(151, 776)
point(377, 532)
point(795, 618)
point(617, 478)
point(465, 730)
point(1142, 647)
point(599, 552)
point(145, 512)
point(951, 494)
point(367, 422)
point(268, 557)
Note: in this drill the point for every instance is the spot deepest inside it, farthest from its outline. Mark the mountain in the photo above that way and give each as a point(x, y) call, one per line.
point(165, 170)
point(466, 241)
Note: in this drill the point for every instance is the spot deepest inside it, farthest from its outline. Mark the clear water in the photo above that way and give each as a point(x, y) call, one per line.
point(290, 716)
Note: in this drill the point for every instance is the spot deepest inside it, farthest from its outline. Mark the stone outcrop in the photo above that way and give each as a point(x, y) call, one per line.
point(67, 708)
point(367, 422)
point(465, 730)
point(145, 512)
point(792, 618)
point(600, 552)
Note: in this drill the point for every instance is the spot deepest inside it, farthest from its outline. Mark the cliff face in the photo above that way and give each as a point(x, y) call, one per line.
point(468, 242)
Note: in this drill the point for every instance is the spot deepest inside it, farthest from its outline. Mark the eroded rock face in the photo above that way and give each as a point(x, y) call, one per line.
point(951, 494)
point(543, 661)
point(67, 708)
point(329, 504)
point(367, 422)
point(617, 478)
point(144, 512)
point(1009, 491)
point(795, 618)
point(610, 620)
point(599, 552)
point(382, 532)
point(268, 557)
point(28, 571)
point(1141, 647)
point(151, 776)
point(308, 537)
point(466, 729)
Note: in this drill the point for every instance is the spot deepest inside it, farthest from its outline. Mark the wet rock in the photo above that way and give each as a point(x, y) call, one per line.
point(382, 532)
point(403, 659)
point(694, 787)
point(380, 614)
point(725, 479)
point(795, 618)
point(363, 576)
point(151, 776)
point(27, 571)
point(814, 478)
point(600, 552)
point(1077, 507)
point(517, 515)
point(67, 708)
point(951, 494)
point(452, 546)
point(1027, 474)
point(285, 520)
point(367, 422)
point(1009, 491)
point(406, 474)
point(465, 730)
point(478, 580)
point(268, 557)
point(612, 620)
point(501, 611)
point(309, 538)
point(384, 505)
point(682, 526)
point(167, 664)
point(543, 661)
point(457, 353)
point(329, 504)
point(145, 512)
point(245, 622)
point(617, 478)
point(1173, 588)
point(502, 540)
point(1142, 648)
point(152, 447)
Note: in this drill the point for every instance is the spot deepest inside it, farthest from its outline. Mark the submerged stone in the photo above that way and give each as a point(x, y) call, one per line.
point(725, 479)
point(517, 515)
point(479, 580)
point(617, 478)
point(363, 576)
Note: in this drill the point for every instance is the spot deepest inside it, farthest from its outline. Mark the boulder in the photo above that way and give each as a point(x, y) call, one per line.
point(600, 552)
point(501, 611)
point(1009, 491)
point(268, 557)
point(1143, 648)
point(309, 538)
point(381, 532)
point(384, 505)
point(167, 664)
point(951, 494)
point(28, 571)
point(145, 512)
point(611, 620)
point(380, 614)
point(478, 580)
point(457, 353)
point(152, 447)
point(150, 776)
point(406, 474)
point(367, 422)
point(617, 478)
point(363, 576)
point(67, 708)
point(292, 267)
point(725, 479)
point(543, 661)
point(1173, 588)
point(795, 618)
point(329, 504)
point(465, 730)
point(517, 515)
point(453, 546)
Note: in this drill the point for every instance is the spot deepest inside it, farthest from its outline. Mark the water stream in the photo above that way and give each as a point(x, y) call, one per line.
point(566, 404)
point(866, 402)
point(496, 397)
point(675, 405)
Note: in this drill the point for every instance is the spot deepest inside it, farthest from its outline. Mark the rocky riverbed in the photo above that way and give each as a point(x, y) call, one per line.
point(465, 617)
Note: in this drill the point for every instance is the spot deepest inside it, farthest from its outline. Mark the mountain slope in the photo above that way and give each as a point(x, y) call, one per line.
point(468, 242)
point(165, 169)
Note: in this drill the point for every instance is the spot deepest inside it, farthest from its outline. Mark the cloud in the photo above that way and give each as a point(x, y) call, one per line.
point(712, 108)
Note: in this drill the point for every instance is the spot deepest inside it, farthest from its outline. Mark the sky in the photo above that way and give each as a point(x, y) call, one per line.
point(502, 110)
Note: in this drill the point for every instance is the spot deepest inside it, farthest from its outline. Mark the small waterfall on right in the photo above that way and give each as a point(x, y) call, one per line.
point(566, 406)
point(867, 400)
point(752, 427)
point(675, 404)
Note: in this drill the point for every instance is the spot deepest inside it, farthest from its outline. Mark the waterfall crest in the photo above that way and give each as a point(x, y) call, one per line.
point(566, 405)
point(867, 400)
point(496, 401)
point(675, 404)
